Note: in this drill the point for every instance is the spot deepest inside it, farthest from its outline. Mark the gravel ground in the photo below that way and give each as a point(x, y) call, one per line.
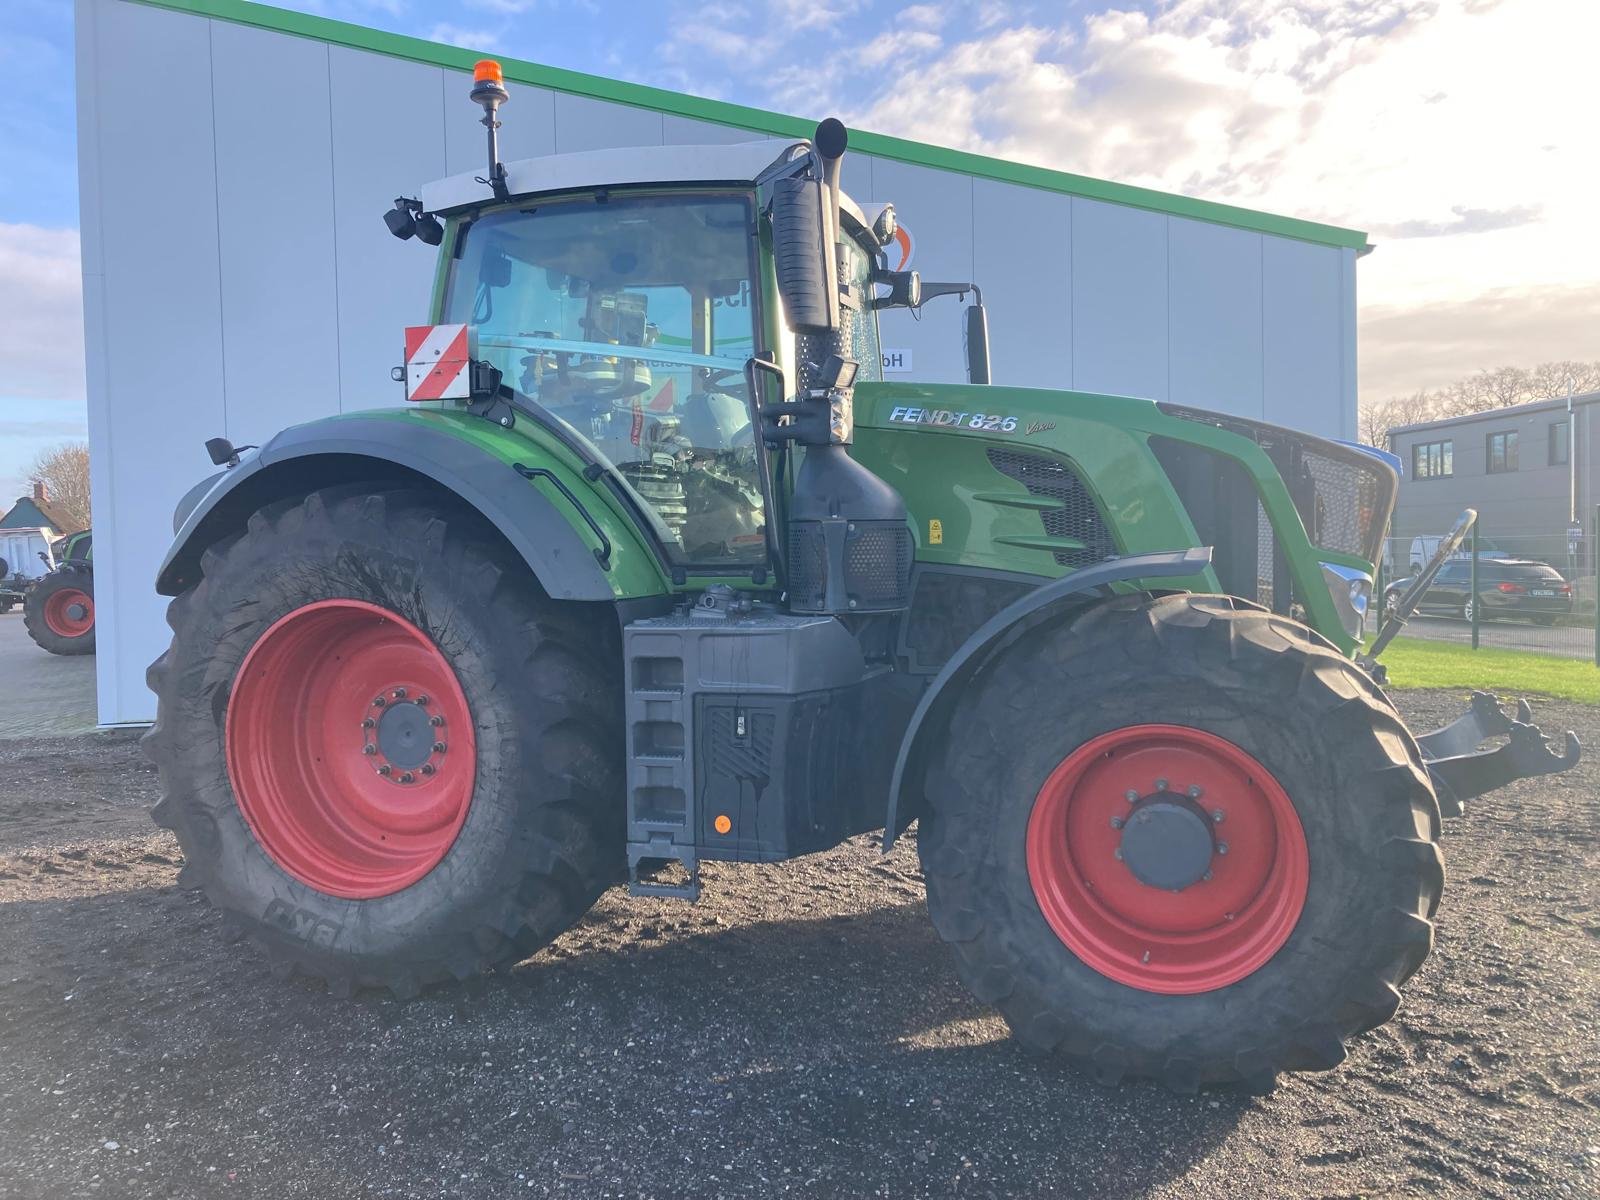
point(801, 1031)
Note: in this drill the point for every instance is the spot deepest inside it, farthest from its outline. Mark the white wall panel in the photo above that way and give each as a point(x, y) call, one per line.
point(1023, 257)
point(156, 376)
point(527, 125)
point(1303, 360)
point(1119, 300)
point(586, 124)
point(256, 285)
point(936, 206)
point(274, 190)
point(383, 284)
point(1214, 305)
point(681, 131)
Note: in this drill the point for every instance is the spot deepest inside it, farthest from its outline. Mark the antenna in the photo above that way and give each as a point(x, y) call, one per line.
point(489, 90)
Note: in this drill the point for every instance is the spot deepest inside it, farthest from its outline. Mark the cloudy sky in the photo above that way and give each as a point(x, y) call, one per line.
point(1459, 133)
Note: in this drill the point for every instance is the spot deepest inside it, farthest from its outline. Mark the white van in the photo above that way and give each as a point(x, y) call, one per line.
point(1424, 546)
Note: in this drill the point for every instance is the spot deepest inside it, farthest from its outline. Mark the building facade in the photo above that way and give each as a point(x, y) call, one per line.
point(1528, 470)
point(235, 160)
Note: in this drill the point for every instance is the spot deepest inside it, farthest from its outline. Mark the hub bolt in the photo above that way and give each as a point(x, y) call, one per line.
point(406, 777)
point(1216, 815)
point(378, 702)
point(368, 723)
point(422, 700)
point(438, 747)
point(1222, 847)
point(1195, 791)
point(1130, 796)
point(1207, 875)
point(427, 768)
point(369, 748)
point(1117, 854)
point(1161, 785)
point(436, 721)
point(399, 693)
point(1116, 822)
point(385, 769)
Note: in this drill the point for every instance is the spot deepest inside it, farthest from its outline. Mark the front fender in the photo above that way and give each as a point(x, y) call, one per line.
point(567, 564)
point(1012, 621)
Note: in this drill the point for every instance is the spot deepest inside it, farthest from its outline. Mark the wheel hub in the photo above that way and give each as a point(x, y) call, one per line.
point(409, 736)
point(1167, 843)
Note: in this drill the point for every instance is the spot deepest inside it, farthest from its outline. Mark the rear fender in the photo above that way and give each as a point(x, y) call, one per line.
point(1042, 604)
point(568, 565)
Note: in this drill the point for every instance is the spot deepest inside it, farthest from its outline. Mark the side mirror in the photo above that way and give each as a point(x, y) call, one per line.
point(977, 344)
point(800, 255)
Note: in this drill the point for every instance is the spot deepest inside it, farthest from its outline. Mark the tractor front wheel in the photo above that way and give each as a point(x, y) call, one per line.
point(1185, 839)
point(389, 758)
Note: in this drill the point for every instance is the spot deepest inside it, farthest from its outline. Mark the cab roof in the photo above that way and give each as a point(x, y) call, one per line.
point(740, 162)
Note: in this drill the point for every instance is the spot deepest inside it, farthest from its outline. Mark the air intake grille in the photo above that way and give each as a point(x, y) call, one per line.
point(1078, 517)
point(1339, 506)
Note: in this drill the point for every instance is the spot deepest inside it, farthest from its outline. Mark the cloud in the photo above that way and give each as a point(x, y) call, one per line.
point(1405, 348)
point(1465, 220)
point(41, 312)
point(467, 39)
point(1458, 131)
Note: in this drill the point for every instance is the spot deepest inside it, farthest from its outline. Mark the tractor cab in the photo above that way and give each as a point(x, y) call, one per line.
point(620, 295)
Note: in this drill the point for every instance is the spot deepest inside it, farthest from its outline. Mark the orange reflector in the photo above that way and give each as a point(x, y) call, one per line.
point(722, 823)
point(487, 68)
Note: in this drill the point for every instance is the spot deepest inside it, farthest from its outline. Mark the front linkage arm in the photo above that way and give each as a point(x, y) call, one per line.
point(1462, 772)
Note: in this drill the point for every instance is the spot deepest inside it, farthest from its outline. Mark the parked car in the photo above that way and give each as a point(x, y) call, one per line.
point(1507, 588)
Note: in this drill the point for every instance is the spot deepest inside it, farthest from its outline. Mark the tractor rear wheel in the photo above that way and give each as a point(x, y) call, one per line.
point(1184, 839)
point(58, 611)
point(389, 758)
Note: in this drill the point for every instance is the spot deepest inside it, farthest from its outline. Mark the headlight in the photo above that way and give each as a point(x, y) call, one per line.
point(1351, 591)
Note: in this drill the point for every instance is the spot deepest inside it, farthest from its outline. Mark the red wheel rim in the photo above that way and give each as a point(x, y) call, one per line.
point(69, 613)
point(1211, 932)
point(350, 748)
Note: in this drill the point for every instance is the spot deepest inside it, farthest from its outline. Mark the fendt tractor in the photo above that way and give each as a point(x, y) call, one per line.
point(652, 568)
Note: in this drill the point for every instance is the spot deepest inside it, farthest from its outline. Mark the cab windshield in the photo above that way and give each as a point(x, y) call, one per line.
point(630, 319)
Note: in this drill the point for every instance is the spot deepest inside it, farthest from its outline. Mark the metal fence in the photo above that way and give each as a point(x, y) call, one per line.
point(1519, 592)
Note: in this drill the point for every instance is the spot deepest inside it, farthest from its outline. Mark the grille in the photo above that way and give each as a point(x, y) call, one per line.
point(877, 563)
point(1344, 496)
point(808, 568)
point(1343, 499)
point(1078, 517)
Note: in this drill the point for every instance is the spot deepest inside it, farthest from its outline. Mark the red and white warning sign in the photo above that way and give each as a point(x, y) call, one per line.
point(438, 362)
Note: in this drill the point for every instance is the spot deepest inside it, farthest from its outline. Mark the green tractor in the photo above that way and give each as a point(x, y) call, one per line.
point(653, 568)
point(58, 609)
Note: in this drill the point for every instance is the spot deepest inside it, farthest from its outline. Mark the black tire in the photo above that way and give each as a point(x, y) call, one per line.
point(543, 832)
point(70, 578)
point(1278, 691)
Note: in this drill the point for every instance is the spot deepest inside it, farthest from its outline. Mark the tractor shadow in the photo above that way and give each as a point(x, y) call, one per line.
point(651, 1047)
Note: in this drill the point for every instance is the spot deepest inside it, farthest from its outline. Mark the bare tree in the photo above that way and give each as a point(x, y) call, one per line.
point(64, 472)
point(1477, 393)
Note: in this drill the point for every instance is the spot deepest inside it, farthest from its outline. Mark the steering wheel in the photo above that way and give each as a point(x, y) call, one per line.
point(716, 377)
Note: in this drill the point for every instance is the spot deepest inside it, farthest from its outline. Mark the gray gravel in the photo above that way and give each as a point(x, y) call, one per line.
point(800, 1031)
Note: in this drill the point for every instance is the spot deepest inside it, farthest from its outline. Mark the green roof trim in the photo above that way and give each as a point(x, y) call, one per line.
point(721, 112)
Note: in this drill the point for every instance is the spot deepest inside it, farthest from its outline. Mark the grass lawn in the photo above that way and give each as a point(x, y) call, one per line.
point(1414, 663)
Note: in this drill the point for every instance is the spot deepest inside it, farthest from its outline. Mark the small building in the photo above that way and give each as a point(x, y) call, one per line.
point(37, 512)
point(1521, 467)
